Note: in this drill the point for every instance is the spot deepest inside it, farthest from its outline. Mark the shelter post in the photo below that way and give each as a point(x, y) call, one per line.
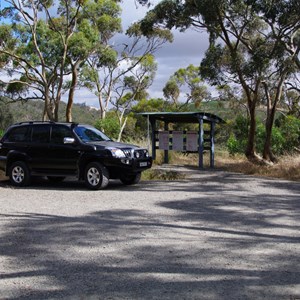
point(212, 144)
point(201, 142)
point(166, 152)
point(153, 137)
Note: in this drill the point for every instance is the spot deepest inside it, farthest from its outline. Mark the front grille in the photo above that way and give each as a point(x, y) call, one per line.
point(138, 153)
point(128, 152)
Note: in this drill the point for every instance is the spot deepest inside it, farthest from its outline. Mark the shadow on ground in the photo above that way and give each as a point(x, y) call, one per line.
point(223, 242)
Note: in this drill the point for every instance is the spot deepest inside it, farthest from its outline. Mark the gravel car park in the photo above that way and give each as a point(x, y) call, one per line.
point(213, 235)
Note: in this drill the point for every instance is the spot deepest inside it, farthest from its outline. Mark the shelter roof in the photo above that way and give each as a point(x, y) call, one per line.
point(183, 117)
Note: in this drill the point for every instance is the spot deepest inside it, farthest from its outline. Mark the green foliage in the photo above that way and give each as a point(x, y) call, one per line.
point(285, 135)
point(131, 131)
point(237, 140)
point(72, 32)
point(233, 145)
point(171, 91)
point(110, 126)
point(210, 67)
point(33, 110)
point(290, 130)
point(187, 81)
point(6, 116)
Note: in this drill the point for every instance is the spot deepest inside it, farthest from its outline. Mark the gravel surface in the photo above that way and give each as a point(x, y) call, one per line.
point(213, 235)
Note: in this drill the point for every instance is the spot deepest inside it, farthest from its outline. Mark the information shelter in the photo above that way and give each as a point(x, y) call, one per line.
point(186, 141)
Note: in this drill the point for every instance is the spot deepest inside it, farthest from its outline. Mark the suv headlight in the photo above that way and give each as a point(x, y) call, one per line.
point(146, 153)
point(117, 153)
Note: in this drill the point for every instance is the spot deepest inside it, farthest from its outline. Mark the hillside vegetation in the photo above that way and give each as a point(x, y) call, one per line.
point(33, 110)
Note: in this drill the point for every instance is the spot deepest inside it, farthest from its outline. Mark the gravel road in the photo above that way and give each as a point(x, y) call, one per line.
point(213, 235)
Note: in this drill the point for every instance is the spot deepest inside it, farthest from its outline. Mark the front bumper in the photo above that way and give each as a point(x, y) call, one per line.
point(128, 165)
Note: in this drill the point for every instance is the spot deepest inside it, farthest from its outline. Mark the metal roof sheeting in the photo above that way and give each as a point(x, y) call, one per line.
point(183, 117)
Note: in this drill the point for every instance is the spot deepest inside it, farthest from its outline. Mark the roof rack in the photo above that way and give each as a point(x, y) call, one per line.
point(33, 122)
point(46, 122)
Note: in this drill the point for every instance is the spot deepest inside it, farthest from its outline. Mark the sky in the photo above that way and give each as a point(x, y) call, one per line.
point(187, 48)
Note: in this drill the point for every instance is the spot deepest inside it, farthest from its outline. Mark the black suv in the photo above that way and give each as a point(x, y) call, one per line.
point(58, 150)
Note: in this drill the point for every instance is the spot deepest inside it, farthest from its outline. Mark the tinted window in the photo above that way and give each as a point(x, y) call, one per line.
point(90, 134)
point(18, 134)
point(58, 134)
point(41, 134)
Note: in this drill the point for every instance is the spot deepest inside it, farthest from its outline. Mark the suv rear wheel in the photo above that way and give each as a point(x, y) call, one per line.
point(130, 179)
point(96, 176)
point(19, 174)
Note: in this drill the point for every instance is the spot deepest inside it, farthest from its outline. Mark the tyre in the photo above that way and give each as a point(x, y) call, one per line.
point(56, 179)
point(129, 179)
point(96, 176)
point(19, 174)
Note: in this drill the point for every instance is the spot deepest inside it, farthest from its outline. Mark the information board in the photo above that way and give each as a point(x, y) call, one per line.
point(192, 141)
point(163, 139)
point(177, 144)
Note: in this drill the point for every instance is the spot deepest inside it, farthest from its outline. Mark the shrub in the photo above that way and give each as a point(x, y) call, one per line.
point(233, 145)
point(110, 126)
point(290, 129)
point(285, 135)
point(237, 140)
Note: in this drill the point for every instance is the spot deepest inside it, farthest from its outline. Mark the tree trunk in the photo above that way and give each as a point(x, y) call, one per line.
point(122, 126)
point(250, 150)
point(72, 92)
point(271, 110)
point(48, 112)
point(267, 152)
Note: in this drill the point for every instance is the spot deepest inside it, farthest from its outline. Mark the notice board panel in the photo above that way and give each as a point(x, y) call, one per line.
point(177, 144)
point(163, 139)
point(192, 141)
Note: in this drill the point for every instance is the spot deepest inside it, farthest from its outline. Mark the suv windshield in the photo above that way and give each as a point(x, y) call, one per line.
point(90, 134)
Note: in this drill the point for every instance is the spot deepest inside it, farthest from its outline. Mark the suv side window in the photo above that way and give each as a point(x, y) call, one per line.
point(41, 134)
point(18, 134)
point(58, 134)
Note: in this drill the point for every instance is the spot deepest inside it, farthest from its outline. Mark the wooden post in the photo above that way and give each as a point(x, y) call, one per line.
point(212, 144)
point(153, 137)
point(201, 143)
point(166, 152)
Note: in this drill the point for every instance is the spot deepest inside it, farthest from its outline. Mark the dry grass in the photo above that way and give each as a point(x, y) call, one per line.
point(288, 167)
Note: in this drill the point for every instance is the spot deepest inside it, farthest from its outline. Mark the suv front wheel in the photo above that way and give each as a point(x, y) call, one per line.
point(19, 174)
point(96, 176)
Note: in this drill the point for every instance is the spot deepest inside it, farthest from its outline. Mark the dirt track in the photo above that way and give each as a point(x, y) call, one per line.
point(214, 235)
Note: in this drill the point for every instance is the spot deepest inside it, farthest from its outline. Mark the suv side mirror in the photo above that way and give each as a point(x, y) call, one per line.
point(69, 140)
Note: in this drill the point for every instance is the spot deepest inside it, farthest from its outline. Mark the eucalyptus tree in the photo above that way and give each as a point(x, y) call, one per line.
point(39, 53)
point(292, 97)
point(283, 20)
point(188, 82)
point(132, 88)
point(243, 49)
point(98, 23)
point(115, 68)
point(45, 41)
